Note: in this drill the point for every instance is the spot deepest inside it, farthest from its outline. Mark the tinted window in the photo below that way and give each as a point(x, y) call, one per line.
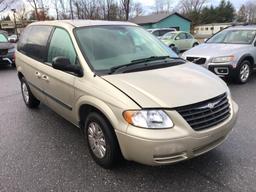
point(61, 45)
point(34, 40)
point(156, 33)
point(3, 39)
point(162, 32)
point(189, 36)
point(182, 36)
point(234, 37)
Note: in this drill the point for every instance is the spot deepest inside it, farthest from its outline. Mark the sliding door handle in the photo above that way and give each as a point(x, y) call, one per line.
point(38, 75)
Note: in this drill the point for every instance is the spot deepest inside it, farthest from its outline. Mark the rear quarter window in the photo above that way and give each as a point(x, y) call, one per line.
point(33, 42)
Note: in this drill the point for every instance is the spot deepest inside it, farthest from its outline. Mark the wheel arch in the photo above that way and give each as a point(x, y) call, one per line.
point(247, 57)
point(88, 104)
point(20, 75)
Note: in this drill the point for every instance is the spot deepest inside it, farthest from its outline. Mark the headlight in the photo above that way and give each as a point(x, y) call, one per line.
point(225, 59)
point(148, 119)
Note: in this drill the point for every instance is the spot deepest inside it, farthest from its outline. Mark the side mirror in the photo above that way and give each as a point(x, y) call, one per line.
point(12, 41)
point(63, 64)
point(177, 38)
point(205, 40)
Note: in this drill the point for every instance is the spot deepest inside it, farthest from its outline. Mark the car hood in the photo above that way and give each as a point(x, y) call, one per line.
point(214, 49)
point(169, 87)
point(7, 45)
point(167, 41)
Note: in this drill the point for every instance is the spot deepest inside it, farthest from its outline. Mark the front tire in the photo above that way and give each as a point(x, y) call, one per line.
point(195, 44)
point(243, 72)
point(101, 140)
point(174, 48)
point(30, 100)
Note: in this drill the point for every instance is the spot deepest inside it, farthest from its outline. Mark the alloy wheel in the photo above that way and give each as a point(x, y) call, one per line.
point(96, 140)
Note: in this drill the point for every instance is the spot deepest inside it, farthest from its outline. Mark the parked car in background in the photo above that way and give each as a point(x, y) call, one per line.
point(180, 40)
point(230, 53)
point(160, 31)
point(129, 100)
point(7, 51)
point(13, 38)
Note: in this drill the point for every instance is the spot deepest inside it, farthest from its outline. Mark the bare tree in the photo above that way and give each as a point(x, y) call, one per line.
point(33, 4)
point(126, 6)
point(4, 4)
point(56, 7)
point(163, 6)
point(137, 9)
point(188, 6)
point(250, 9)
point(21, 13)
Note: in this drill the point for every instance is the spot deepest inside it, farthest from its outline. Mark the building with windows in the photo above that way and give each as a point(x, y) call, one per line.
point(207, 30)
point(9, 26)
point(163, 20)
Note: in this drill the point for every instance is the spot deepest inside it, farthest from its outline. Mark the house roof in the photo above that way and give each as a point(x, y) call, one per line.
point(155, 18)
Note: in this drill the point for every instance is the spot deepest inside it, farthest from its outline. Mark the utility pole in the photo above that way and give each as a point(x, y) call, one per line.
point(15, 24)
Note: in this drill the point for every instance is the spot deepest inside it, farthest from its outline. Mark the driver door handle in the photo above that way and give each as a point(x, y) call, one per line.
point(45, 77)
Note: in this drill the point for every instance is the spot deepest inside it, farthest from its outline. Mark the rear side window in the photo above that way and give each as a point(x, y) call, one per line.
point(33, 42)
point(61, 45)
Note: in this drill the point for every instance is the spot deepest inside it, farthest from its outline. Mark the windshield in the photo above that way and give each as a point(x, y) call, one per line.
point(169, 35)
point(234, 37)
point(3, 39)
point(106, 47)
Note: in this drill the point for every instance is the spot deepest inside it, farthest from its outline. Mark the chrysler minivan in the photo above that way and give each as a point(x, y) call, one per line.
point(129, 93)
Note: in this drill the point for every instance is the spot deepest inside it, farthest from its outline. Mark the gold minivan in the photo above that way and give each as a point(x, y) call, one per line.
point(129, 93)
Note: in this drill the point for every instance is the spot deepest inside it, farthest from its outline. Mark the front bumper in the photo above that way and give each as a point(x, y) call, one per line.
point(166, 146)
point(223, 70)
point(7, 59)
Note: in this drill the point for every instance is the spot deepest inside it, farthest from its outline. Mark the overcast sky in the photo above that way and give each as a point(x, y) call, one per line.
point(148, 4)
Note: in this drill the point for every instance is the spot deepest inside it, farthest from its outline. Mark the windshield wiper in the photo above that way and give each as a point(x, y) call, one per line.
point(142, 61)
point(152, 58)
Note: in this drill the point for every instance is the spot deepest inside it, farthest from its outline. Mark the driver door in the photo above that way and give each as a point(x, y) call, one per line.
point(180, 41)
point(59, 84)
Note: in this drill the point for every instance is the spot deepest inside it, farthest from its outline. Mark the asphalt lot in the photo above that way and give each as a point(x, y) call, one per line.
point(40, 151)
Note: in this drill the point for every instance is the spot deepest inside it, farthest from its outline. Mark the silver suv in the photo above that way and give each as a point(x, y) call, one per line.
point(230, 53)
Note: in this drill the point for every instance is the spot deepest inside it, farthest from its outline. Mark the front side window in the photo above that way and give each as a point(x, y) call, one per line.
point(189, 36)
point(181, 36)
point(112, 46)
point(234, 37)
point(3, 39)
point(61, 46)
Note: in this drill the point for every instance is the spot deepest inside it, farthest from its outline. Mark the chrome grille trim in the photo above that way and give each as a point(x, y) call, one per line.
point(200, 116)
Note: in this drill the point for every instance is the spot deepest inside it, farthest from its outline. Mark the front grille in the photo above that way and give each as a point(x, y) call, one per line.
point(206, 114)
point(197, 60)
point(3, 52)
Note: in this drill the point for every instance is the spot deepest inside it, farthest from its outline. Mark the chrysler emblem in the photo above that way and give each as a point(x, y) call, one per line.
point(210, 105)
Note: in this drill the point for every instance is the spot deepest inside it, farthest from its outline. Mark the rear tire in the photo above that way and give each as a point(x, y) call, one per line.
point(30, 100)
point(243, 73)
point(102, 141)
